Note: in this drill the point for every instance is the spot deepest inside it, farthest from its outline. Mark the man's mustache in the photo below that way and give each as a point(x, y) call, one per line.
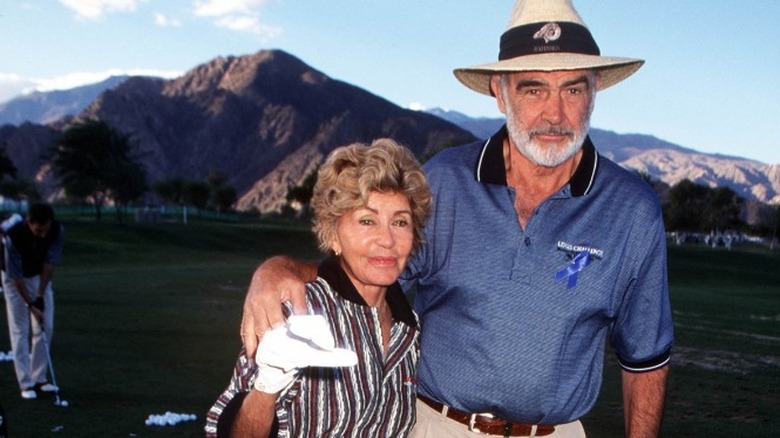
point(551, 131)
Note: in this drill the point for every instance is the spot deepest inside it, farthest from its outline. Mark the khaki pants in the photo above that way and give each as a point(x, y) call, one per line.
point(30, 362)
point(432, 424)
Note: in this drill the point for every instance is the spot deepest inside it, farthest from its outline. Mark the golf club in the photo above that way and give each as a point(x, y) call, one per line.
point(57, 401)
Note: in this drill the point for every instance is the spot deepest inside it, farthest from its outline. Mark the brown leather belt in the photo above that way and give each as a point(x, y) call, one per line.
point(486, 423)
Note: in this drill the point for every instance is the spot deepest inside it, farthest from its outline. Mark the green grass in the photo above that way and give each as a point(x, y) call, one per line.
point(147, 322)
point(726, 359)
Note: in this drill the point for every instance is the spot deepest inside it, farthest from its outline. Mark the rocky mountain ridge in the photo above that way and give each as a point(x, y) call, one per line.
point(264, 120)
point(43, 107)
point(267, 119)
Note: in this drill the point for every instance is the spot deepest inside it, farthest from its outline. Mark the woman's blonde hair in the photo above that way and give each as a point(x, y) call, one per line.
point(351, 173)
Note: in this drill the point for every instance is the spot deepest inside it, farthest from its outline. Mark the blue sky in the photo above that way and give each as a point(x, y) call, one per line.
point(711, 81)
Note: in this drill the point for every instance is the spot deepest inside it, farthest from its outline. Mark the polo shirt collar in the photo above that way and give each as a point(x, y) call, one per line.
point(330, 270)
point(491, 169)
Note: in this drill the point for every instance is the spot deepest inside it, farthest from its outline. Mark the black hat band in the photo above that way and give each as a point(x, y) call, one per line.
point(552, 37)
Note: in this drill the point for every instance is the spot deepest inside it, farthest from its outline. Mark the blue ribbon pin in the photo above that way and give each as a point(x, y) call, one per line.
point(580, 262)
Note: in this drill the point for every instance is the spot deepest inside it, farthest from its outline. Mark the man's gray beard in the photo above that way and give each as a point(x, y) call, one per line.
point(541, 155)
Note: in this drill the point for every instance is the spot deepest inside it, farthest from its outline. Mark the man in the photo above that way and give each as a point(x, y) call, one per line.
point(32, 248)
point(539, 251)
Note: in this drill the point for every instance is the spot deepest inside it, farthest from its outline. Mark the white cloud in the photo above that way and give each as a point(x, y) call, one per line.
point(219, 8)
point(248, 23)
point(417, 106)
point(12, 85)
point(237, 15)
point(94, 9)
point(10, 78)
point(162, 20)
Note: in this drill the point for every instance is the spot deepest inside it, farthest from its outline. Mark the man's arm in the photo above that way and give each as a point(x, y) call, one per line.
point(21, 289)
point(255, 418)
point(643, 402)
point(46, 275)
point(277, 280)
point(13, 270)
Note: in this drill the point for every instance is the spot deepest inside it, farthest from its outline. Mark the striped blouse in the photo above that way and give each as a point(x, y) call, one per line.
point(375, 398)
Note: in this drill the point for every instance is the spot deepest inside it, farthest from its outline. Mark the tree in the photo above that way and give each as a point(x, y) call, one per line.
point(7, 166)
point(19, 189)
point(94, 162)
point(723, 208)
point(222, 198)
point(197, 194)
point(11, 186)
point(221, 195)
point(129, 183)
point(170, 190)
point(302, 194)
point(770, 223)
point(776, 223)
point(694, 207)
point(212, 193)
point(683, 210)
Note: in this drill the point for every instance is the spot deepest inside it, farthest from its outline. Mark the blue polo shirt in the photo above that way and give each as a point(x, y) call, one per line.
point(515, 321)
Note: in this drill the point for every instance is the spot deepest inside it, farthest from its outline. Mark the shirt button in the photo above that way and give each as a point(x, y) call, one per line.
point(527, 241)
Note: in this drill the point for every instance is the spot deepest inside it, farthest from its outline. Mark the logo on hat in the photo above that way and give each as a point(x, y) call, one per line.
point(548, 32)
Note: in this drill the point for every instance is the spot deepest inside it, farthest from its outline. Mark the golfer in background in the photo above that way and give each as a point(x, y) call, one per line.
point(31, 249)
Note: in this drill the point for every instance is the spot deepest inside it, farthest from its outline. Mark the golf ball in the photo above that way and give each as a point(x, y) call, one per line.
point(64, 403)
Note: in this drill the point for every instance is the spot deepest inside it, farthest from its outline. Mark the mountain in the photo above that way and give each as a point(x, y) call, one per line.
point(264, 120)
point(26, 145)
point(267, 119)
point(481, 127)
point(48, 106)
point(663, 161)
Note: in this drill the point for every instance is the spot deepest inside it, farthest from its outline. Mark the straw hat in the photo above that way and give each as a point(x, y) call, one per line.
point(547, 35)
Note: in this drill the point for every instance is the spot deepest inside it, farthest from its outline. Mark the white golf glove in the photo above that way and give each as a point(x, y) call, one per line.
point(272, 379)
point(304, 341)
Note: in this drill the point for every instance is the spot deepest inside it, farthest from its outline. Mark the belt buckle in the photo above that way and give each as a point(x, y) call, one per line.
point(473, 420)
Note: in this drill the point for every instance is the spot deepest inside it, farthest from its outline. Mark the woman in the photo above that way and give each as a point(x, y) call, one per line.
point(370, 205)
